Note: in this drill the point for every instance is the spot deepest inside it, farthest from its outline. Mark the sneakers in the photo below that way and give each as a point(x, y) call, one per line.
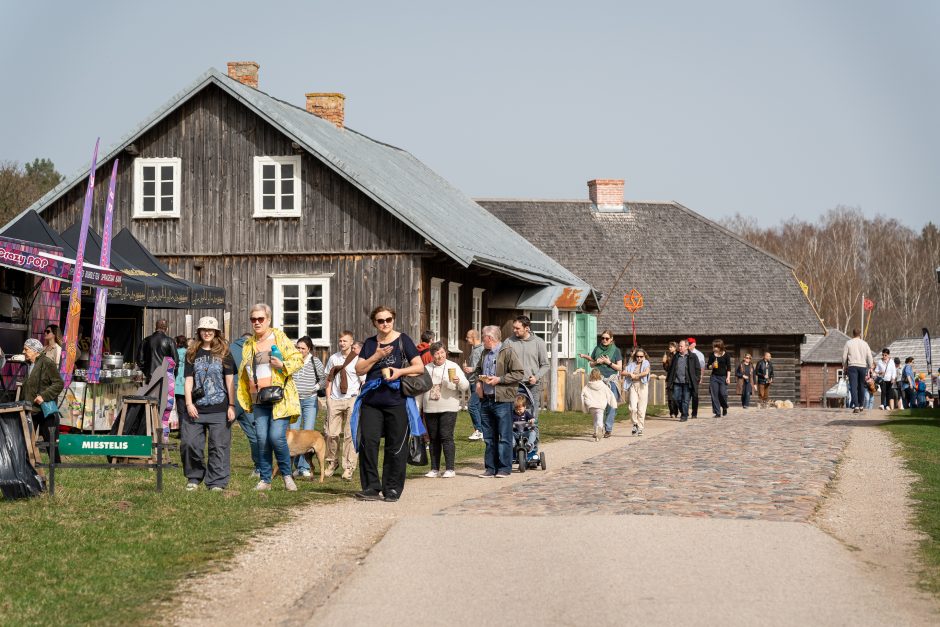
point(368, 495)
point(502, 475)
point(449, 474)
point(306, 474)
point(216, 488)
point(639, 432)
point(263, 485)
point(192, 485)
point(289, 484)
point(433, 474)
point(607, 434)
point(476, 435)
point(635, 429)
point(486, 475)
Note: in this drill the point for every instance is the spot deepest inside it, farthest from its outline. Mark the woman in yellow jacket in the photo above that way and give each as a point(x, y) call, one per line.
point(269, 358)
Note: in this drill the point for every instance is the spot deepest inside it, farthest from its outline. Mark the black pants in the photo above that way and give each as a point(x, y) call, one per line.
point(441, 430)
point(718, 389)
point(694, 401)
point(374, 424)
point(887, 393)
point(673, 405)
point(46, 429)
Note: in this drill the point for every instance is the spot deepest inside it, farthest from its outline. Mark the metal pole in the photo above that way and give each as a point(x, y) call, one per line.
point(862, 312)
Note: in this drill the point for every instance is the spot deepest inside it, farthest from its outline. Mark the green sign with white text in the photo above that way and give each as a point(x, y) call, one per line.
point(114, 445)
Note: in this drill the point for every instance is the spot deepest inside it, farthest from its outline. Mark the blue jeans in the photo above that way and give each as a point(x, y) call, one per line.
point(497, 436)
point(857, 385)
point(682, 393)
point(247, 423)
point(473, 407)
point(272, 437)
point(308, 420)
point(746, 394)
point(611, 414)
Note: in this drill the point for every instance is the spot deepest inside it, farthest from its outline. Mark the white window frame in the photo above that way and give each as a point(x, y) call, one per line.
point(453, 316)
point(138, 202)
point(434, 312)
point(302, 282)
point(259, 163)
point(476, 309)
point(564, 332)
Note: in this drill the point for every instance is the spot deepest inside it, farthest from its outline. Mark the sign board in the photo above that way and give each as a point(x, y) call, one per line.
point(114, 445)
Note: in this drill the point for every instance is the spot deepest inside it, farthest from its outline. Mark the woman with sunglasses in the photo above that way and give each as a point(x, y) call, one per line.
point(719, 364)
point(269, 359)
point(636, 384)
point(384, 358)
point(52, 343)
point(745, 377)
point(607, 358)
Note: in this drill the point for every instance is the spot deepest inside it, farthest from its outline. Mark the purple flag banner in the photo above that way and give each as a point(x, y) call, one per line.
point(26, 256)
point(75, 295)
point(101, 294)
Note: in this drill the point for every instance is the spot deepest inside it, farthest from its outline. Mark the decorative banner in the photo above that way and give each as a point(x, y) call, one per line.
point(101, 294)
point(928, 353)
point(805, 288)
point(633, 302)
point(29, 257)
point(75, 295)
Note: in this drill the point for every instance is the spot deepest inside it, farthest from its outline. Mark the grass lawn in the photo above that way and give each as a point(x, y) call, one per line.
point(918, 431)
point(107, 548)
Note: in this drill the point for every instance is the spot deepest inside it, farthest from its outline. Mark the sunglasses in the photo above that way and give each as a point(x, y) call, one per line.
point(606, 339)
point(641, 356)
point(258, 320)
point(384, 320)
point(47, 331)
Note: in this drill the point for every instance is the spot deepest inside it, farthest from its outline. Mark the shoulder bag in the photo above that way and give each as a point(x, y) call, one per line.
point(269, 395)
point(321, 391)
point(413, 384)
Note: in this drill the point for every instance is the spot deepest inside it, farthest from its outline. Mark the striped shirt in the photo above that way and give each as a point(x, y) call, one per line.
point(309, 378)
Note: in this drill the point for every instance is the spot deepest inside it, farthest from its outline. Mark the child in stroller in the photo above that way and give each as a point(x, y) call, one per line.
point(525, 435)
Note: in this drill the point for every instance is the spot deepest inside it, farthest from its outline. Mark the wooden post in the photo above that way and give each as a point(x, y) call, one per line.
point(553, 371)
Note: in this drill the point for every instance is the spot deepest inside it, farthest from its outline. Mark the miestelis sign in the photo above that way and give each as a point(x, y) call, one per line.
point(114, 445)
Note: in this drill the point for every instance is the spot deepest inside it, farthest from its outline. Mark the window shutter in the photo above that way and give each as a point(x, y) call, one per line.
point(586, 337)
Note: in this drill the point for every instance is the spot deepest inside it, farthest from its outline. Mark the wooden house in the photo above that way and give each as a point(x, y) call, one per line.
point(697, 279)
point(287, 205)
point(820, 365)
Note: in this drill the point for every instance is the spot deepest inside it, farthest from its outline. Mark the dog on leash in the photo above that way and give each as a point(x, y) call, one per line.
point(306, 442)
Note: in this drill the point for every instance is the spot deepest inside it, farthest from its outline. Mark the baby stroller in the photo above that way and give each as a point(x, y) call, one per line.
point(525, 438)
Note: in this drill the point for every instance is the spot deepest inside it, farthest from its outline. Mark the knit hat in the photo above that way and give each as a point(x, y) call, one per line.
point(33, 344)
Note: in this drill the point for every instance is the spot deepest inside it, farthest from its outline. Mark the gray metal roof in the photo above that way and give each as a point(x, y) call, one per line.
point(914, 347)
point(392, 177)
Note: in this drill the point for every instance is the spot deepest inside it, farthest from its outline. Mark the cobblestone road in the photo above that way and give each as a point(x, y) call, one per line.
point(768, 465)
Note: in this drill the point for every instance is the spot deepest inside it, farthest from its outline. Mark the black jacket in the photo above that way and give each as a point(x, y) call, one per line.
point(152, 351)
point(693, 371)
point(764, 371)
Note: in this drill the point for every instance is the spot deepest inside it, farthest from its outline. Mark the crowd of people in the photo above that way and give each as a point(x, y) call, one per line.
point(898, 386)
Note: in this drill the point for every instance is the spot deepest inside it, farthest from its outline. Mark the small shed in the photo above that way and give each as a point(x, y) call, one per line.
point(819, 367)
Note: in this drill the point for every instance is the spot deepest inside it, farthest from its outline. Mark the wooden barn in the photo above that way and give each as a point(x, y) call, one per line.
point(287, 205)
point(697, 278)
point(820, 366)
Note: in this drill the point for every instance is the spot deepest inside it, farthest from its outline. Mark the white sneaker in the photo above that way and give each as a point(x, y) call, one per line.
point(449, 474)
point(289, 484)
point(263, 485)
point(432, 474)
point(306, 474)
point(476, 435)
point(192, 486)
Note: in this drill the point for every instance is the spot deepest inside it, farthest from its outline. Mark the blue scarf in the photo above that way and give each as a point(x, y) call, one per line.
point(415, 424)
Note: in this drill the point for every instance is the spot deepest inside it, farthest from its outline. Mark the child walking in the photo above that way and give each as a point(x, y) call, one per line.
point(596, 396)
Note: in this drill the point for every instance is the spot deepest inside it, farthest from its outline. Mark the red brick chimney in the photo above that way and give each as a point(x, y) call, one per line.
point(606, 194)
point(330, 107)
point(245, 72)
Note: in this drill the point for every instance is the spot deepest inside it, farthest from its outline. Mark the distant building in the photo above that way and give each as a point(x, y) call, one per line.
point(820, 366)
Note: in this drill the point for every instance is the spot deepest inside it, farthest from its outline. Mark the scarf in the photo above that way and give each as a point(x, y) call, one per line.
point(415, 424)
point(343, 380)
point(605, 351)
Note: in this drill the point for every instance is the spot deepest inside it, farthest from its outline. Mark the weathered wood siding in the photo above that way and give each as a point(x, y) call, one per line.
point(815, 379)
point(784, 349)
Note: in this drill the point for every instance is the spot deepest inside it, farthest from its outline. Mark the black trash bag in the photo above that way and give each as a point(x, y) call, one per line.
point(18, 477)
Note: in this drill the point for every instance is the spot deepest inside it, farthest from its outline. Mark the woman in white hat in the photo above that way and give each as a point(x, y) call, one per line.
point(210, 408)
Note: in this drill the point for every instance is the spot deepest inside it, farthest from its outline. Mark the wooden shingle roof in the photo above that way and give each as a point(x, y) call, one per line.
point(828, 350)
point(696, 277)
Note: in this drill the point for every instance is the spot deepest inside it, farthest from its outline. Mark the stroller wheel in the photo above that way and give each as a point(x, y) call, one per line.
point(542, 460)
point(520, 457)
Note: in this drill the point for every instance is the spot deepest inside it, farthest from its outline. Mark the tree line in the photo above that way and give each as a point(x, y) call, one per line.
point(845, 256)
point(22, 185)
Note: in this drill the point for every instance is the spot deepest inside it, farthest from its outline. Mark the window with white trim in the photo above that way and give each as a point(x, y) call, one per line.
point(277, 190)
point(541, 327)
point(157, 187)
point(476, 309)
point(302, 307)
point(453, 316)
point(434, 315)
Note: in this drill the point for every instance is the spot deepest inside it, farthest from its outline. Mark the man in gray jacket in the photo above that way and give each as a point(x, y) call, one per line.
point(531, 351)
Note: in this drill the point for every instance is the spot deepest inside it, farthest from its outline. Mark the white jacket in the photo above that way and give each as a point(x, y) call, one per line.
point(450, 391)
point(597, 395)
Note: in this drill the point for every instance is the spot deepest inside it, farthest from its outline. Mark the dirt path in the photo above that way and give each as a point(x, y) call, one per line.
point(286, 573)
point(869, 511)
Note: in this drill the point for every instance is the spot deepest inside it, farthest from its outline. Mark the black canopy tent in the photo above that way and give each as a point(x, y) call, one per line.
point(200, 296)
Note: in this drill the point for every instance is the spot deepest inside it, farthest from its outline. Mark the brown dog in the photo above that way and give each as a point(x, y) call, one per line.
point(306, 442)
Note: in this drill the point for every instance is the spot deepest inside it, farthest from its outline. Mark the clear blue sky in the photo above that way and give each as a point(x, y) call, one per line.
point(766, 108)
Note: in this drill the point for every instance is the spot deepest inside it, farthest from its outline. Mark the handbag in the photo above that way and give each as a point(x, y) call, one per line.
point(413, 384)
point(270, 395)
point(417, 451)
point(49, 408)
point(321, 391)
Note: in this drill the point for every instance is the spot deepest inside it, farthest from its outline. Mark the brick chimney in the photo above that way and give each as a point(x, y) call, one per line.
point(606, 194)
point(245, 72)
point(330, 107)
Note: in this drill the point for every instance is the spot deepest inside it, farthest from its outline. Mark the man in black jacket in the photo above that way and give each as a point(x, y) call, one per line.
point(683, 376)
point(154, 348)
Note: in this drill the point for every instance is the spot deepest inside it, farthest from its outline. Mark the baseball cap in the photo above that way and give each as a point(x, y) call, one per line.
point(691, 340)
